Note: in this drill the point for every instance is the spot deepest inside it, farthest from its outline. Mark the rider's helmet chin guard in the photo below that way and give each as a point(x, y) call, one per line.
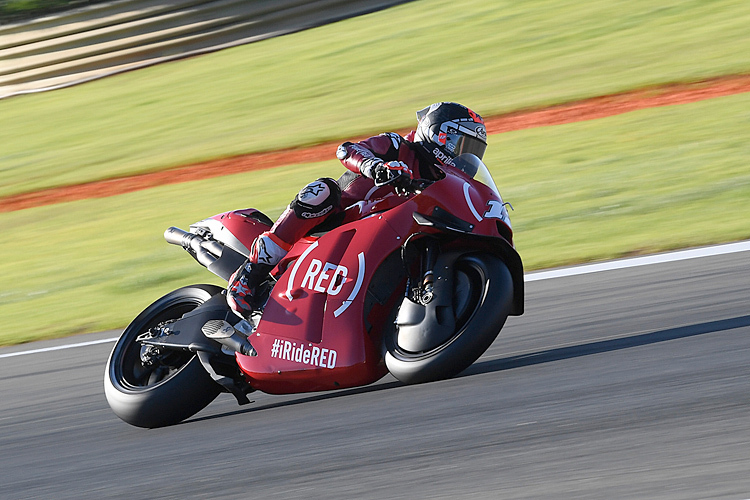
point(453, 128)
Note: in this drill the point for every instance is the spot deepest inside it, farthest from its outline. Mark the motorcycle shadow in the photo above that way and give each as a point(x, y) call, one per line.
point(509, 363)
point(377, 386)
point(599, 347)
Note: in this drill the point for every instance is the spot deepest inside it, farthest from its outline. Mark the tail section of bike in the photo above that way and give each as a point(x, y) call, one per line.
point(221, 243)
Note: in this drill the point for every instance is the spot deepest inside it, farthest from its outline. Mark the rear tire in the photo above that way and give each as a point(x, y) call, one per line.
point(483, 296)
point(173, 387)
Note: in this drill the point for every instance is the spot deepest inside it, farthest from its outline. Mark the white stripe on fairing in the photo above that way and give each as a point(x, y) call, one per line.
point(696, 253)
point(293, 274)
point(360, 278)
point(471, 205)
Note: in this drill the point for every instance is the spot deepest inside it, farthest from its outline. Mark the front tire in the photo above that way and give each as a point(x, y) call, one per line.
point(483, 296)
point(168, 387)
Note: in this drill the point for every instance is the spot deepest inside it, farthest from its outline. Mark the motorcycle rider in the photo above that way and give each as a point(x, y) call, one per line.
point(377, 167)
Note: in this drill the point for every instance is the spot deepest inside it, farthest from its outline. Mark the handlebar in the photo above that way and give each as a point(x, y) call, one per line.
point(417, 185)
point(411, 186)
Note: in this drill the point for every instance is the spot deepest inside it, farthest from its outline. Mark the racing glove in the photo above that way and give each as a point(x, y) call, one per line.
point(392, 172)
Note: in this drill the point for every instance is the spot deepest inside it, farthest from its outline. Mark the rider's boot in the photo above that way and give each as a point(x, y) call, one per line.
point(242, 293)
point(265, 252)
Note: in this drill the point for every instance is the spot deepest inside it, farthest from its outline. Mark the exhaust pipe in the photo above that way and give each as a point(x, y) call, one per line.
point(177, 236)
point(225, 334)
point(202, 250)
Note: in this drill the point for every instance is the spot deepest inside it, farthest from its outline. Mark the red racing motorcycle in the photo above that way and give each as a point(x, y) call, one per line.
point(417, 284)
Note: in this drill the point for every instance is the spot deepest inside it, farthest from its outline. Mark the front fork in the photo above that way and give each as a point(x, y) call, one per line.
point(421, 288)
point(426, 318)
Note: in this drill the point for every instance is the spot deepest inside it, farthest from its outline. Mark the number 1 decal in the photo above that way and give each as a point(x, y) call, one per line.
point(496, 210)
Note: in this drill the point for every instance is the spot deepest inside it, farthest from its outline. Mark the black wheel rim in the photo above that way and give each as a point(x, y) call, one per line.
point(130, 370)
point(469, 288)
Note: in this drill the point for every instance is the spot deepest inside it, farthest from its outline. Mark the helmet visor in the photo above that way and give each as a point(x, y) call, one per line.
point(466, 144)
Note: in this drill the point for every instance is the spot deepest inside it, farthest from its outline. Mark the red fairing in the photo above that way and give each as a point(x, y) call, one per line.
point(472, 202)
point(313, 334)
point(313, 330)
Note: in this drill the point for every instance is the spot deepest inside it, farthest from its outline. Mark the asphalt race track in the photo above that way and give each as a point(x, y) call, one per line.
point(631, 383)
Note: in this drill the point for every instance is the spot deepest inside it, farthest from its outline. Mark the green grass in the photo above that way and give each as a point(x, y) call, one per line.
point(93, 264)
point(645, 181)
point(364, 75)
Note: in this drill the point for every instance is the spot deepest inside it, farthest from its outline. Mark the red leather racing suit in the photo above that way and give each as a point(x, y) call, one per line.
point(322, 199)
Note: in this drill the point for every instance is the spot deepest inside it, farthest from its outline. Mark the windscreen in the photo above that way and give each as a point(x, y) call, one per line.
point(472, 166)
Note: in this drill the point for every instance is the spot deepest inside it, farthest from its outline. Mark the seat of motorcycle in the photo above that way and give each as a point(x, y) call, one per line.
point(261, 217)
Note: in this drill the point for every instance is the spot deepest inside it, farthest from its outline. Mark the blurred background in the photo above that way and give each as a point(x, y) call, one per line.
point(649, 180)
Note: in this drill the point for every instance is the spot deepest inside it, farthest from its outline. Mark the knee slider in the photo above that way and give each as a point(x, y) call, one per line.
point(317, 199)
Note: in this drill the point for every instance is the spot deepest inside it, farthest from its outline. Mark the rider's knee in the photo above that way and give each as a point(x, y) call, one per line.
point(317, 199)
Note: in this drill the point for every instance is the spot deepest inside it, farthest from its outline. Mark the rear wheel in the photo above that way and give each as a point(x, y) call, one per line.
point(149, 387)
point(482, 299)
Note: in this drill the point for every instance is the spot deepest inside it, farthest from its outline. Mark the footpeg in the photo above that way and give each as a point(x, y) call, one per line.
point(225, 334)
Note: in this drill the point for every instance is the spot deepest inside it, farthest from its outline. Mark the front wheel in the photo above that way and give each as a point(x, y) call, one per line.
point(153, 388)
point(482, 299)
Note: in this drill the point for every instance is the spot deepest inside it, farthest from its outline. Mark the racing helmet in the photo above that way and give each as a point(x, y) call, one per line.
point(453, 128)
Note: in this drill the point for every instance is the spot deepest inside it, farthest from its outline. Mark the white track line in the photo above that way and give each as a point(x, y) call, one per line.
point(695, 253)
point(57, 348)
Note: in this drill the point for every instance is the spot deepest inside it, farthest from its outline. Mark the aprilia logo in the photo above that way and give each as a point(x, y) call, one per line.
point(442, 157)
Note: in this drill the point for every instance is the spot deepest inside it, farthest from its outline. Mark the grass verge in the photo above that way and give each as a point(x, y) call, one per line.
point(645, 181)
point(363, 75)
